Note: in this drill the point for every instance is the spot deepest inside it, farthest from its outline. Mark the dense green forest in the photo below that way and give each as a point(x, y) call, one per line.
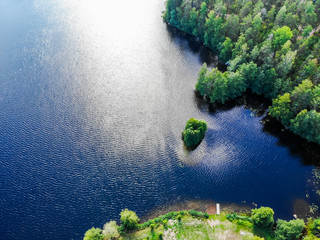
point(270, 47)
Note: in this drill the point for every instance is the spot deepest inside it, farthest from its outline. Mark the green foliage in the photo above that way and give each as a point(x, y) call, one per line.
point(160, 236)
point(286, 62)
point(291, 230)
point(284, 50)
point(315, 227)
point(226, 51)
point(194, 132)
point(170, 14)
point(219, 87)
point(307, 125)
point(270, 47)
point(293, 110)
point(197, 214)
point(201, 85)
point(266, 83)
point(236, 85)
point(93, 234)
point(246, 9)
point(315, 101)
point(262, 217)
point(129, 219)
point(165, 222)
point(309, 69)
point(281, 16)
point(281, 109)
point(152, 227)
point(231, 27)
point(240, 220)
point(234, 216)
point(266, 55)
point(110, 230)
point(301, 96)
point(202, 20)
point(281, 36)
point(213, 31)
point(249, 71)
point(306, 31)
point(163, 219)
point(193, 21)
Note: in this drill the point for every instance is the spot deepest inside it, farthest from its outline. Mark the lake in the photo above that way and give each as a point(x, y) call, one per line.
point(94, 96)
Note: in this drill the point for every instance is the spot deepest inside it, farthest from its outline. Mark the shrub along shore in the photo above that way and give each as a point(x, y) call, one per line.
point(258, 224)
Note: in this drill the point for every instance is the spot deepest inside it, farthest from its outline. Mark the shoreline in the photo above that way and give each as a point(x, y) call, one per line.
point(206, 206)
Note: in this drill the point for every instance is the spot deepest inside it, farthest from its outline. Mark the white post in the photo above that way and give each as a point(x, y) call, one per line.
point(218, 208)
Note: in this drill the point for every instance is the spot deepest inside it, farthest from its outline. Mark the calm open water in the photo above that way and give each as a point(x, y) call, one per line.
point(94, 96)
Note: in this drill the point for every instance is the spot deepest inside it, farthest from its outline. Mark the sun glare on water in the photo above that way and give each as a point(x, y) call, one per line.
point(120, 18)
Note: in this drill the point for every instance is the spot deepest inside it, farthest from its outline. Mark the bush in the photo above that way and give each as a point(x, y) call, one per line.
point(291, 230)
point(194, 132)
point(93, 234)
point(183, 212)
point(129, 219)
point(244, 223)
point(315, 227)
point(197, 214)
point(234, 216)
point(280, 36)
point(165, 223)
point(171, 215)
point(152, 227)
point(110, 230)
point(160, 236)
point(240, 220)
point(262, 217)
point(157, 220)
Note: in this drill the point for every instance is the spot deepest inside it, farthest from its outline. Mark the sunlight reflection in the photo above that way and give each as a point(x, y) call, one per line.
point(105, 62)
point(118, 19)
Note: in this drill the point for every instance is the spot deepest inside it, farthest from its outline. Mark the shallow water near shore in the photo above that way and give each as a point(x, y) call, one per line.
point(93, 99)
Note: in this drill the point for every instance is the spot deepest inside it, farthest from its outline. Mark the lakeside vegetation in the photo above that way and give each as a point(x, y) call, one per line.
point(258, 224)
point(194, 132)
point(270, 47)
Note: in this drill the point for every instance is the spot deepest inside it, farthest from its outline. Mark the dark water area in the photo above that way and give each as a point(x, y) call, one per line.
point(94, 96)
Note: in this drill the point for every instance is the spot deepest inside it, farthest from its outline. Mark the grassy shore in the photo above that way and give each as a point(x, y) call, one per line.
point(194, 227)
point(257, 224)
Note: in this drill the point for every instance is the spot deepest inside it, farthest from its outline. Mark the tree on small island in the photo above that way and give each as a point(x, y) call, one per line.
point(194, 132)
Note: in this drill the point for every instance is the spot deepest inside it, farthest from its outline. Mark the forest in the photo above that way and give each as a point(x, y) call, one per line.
point(271, 48)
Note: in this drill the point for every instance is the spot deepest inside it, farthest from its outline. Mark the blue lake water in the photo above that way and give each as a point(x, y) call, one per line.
point(94, 96)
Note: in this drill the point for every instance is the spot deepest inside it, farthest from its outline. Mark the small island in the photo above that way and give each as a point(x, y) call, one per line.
point(194, 132)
